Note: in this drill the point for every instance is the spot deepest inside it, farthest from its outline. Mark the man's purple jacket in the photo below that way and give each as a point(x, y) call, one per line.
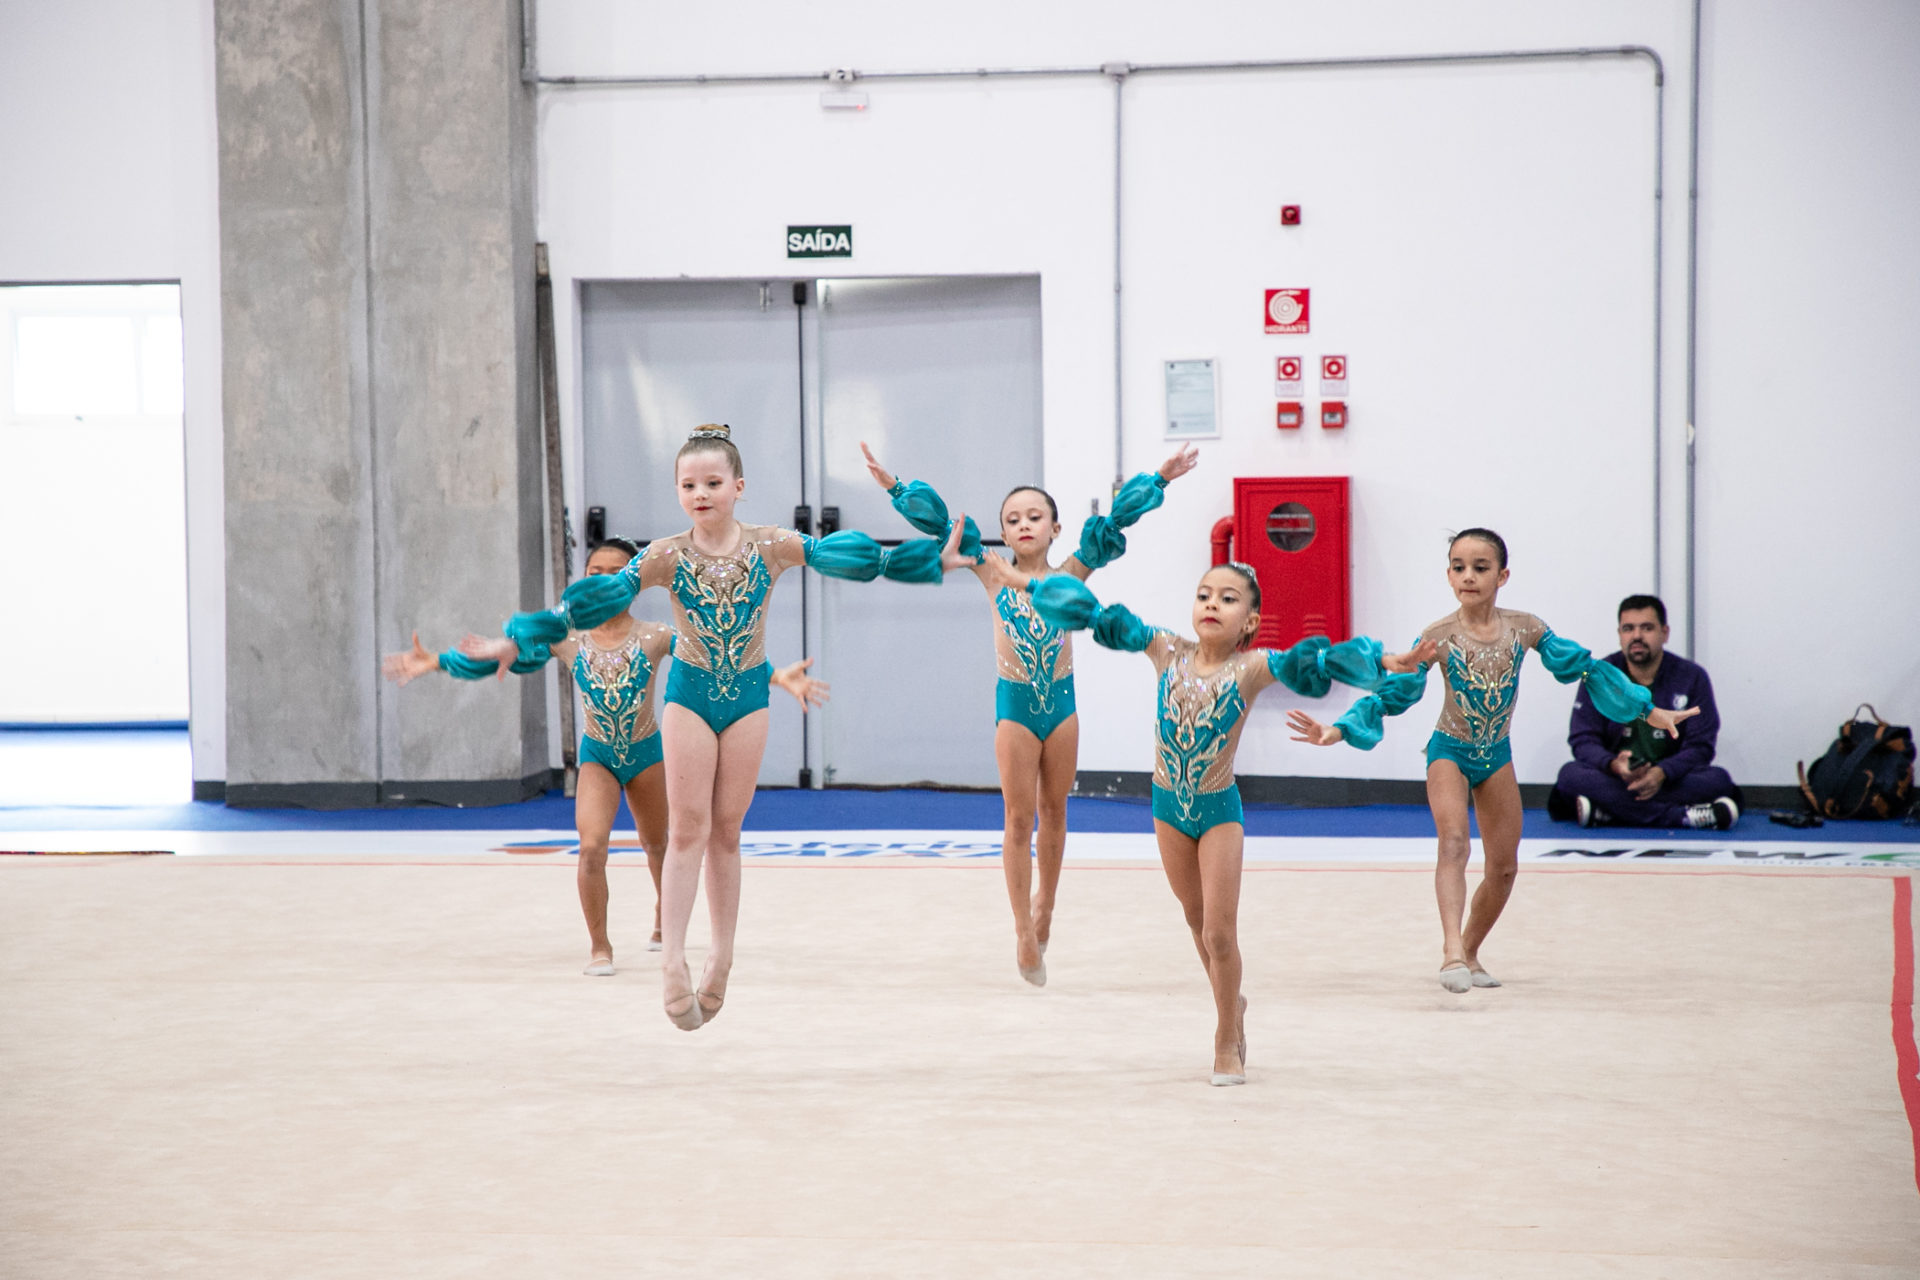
point(1678, 684)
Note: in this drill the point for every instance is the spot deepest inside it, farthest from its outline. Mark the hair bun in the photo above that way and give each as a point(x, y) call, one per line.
point(711, 431)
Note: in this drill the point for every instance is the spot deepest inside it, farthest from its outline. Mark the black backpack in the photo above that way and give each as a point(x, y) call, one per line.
point(1866, 773)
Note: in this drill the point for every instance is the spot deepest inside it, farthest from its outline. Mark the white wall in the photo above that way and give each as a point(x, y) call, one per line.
point(1455, 217)
point(1810, 324)
point(1809, 165)
point(108, 152)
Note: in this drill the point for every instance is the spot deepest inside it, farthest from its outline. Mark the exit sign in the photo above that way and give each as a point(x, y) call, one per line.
point(819, 242)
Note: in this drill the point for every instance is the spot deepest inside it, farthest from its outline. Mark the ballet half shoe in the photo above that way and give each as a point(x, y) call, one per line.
point(1457, 978)
point(1481, 978)
point(706, 1014)
point(1036, 975)
point(688, 1019)
point(599, 969)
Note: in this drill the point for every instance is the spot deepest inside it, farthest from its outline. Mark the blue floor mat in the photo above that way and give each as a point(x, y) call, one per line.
point(902, 810)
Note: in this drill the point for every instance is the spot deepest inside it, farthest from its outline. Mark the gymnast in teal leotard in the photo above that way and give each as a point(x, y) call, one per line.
point(720, 574)
point(1469, 757)
point(1206, 687)
point(1037, 731)
point(613, 667)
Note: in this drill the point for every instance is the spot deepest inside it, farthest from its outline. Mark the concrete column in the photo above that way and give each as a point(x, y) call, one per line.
point(384, 472)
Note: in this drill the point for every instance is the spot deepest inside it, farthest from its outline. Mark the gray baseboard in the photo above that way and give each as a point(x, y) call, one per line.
point(1334, 793)
point(1308, 793)
point(378, 795)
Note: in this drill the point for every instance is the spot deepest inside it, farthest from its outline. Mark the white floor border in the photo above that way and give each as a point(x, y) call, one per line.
point(955, 846)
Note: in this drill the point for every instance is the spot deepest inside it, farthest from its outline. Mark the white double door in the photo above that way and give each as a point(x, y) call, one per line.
point(941, 375)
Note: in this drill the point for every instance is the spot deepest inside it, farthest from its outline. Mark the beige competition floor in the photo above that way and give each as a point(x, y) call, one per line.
point(224, 1067)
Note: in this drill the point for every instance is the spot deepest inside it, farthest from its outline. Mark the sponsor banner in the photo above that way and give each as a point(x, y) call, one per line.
point(1610, 849)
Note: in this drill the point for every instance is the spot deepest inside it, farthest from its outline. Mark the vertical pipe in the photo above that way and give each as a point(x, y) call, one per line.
point(1118, 71)
point(556, 495)
point(800, 371)
point(1693, 330)
point(529, 68)
point(373, 398)
point(1659, 305)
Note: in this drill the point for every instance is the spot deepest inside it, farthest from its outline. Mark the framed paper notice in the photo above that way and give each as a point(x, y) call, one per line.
point(1193, 400)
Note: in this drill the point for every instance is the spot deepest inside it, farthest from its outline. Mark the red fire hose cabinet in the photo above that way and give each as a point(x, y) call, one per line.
point(1293, 531)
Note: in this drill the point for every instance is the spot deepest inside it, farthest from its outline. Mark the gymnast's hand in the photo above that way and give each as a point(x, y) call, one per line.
point(1307, 729)
point(805, 689)
point(1661, 719)
point(490, 648)
point(881, 476)
point(1001, 574)
point(1426, 653)
point(415, 662)
point(1185, 459)
point(950, 557)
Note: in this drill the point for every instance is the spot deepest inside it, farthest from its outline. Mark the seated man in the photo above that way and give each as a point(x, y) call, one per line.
point(1635, 775)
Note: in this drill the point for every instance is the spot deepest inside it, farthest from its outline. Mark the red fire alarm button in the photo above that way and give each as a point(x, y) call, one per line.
point(1333, 413)
point(1289, 416)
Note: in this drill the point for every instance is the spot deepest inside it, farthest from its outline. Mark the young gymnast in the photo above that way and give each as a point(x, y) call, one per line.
point(1469, 756)
point(720, 574)
point(1205, 688)
point(613, 666)
point(1036, 740)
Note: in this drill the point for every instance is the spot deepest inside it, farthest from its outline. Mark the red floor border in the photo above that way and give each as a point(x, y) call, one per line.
point(1905, 1051)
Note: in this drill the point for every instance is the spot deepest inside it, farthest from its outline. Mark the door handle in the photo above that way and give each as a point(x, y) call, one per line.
point(803, 519)
point(829, 520)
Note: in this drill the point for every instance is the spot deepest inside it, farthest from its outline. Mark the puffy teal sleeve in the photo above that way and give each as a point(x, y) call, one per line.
point(855, 556)
point(461, 667)
point(1364, 723)
point(535, 634)
point(587, 603)
point(1311, 667)
point(1614, 693)
point(1101, 539)
point(926, 511)
point(1065, 604)
point(1303, 668)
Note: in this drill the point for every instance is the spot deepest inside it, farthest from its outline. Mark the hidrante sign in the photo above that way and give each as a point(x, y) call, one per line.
point(819, 242)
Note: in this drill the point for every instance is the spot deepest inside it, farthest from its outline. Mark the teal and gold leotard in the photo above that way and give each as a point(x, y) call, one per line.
point(1483, 684)
point(1035, 689)
point(1035, 660)
point(720, 670)
point(1201, 714)
point(616, 690)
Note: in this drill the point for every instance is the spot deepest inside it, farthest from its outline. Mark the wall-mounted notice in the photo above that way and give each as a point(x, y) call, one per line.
point(820, 242)
point(1288, 378)
point(1193, 400)
point(1286, 310)
point(1333, 375)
